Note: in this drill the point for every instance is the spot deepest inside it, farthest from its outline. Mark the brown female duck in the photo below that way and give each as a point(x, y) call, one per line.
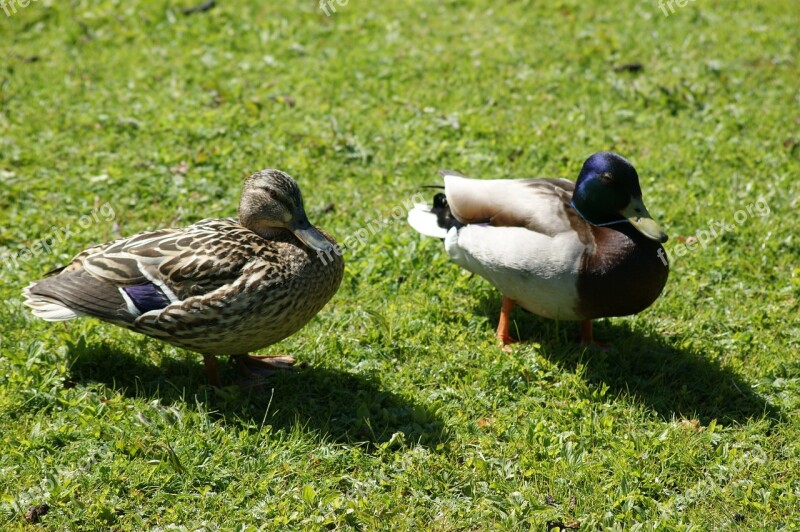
point(219, 287)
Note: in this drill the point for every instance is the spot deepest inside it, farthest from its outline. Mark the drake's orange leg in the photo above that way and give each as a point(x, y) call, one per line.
point(502, 326)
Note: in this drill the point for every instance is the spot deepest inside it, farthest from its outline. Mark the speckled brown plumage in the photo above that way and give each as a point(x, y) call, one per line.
point(218, 287)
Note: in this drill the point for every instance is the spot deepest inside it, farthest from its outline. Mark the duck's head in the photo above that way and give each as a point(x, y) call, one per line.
point(607, 191)
point(271, 202)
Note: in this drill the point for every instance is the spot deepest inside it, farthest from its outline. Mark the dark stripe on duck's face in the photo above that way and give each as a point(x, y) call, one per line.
point(146, 297)
point(622, 274)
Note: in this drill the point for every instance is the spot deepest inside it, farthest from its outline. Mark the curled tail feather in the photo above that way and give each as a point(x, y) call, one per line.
point(433, 220)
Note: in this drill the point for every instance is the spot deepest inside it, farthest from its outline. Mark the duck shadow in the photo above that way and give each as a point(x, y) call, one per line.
point(344, 407)
point(673, 382)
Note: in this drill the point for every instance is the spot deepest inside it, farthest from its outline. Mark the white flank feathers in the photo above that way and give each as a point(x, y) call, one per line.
point(540, 273)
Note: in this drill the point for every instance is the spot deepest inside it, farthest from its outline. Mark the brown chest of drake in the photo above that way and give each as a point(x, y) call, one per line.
point(623, 273)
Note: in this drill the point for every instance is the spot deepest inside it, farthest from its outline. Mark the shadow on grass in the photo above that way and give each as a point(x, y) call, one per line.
point(344, 407)
point(673, 382)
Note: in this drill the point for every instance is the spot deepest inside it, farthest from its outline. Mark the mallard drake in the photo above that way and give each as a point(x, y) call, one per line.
point(561, 250)
point(223, 286)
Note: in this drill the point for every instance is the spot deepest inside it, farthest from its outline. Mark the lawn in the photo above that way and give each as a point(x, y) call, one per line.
point(119, 117)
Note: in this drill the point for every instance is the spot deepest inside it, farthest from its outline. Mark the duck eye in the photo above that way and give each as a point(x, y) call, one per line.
point(606, 178)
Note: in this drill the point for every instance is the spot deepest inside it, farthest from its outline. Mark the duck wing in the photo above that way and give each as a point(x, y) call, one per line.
point(523, 236)
point(540, 205)
point(124, 279)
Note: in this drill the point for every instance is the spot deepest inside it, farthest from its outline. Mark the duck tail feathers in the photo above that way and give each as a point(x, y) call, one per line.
point(47, 308)
point(433, 220)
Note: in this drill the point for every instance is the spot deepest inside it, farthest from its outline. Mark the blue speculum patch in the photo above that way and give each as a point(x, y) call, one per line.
point(147, 297)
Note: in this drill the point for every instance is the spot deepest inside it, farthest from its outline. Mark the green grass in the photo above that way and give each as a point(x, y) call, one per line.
point(408, 414)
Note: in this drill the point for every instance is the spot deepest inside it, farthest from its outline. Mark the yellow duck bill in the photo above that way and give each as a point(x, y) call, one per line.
point(636, 213)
